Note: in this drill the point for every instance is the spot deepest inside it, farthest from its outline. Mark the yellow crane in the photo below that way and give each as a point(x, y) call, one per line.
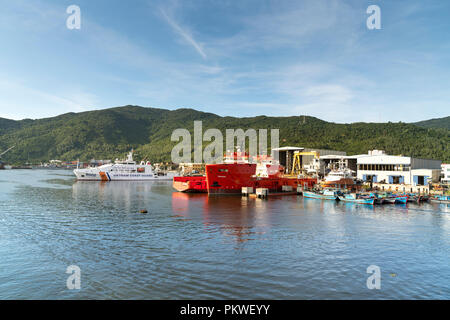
point(297, 162)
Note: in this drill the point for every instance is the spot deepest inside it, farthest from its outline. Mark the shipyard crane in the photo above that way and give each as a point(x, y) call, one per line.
point(298, 163)
point(1, 154)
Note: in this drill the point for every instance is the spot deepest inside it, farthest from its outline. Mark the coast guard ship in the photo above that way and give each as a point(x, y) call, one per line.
point(124, 170)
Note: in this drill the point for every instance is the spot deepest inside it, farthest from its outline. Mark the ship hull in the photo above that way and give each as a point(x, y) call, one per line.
point(190, 184)
point(111, 176)
point(402, 199)
point(369, 201)
point(231, 178)
point(314, 195)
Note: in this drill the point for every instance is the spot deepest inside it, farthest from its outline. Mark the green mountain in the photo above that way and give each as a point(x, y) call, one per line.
point(435, 123)
point(110, 133)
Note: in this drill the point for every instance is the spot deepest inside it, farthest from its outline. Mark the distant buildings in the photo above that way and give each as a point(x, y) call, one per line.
point(96, 163)
point(192, 168)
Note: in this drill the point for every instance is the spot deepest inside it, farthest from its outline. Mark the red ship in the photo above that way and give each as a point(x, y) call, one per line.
point(236, 172)
point(231, 176)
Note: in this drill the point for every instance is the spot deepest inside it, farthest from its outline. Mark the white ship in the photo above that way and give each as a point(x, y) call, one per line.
point(124, 170)
point(340, 176)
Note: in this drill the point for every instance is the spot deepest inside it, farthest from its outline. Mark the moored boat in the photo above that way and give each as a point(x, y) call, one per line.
point(440, 199)
point(396, 199)
point(322, 195)
point(379, 197)
point(355, 198)
point(237, 172)
point(390, 200)
point(340, 178)
point(417, 198)
point(123, 170)
point(401, 199)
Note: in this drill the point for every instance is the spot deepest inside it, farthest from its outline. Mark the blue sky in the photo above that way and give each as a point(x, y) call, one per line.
point(238, 58)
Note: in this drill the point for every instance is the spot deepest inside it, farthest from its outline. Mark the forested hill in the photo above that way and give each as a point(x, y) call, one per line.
point(110, 133)
point(435, 123)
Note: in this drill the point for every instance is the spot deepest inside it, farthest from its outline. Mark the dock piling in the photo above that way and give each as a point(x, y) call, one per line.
point(262, 192)
point(246, 191)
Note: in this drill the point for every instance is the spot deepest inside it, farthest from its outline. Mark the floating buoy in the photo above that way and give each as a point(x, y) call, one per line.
point(143, 211)
point(393, 274)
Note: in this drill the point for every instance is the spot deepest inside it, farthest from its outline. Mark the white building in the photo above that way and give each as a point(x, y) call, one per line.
point(382, 168)
point(445, 173)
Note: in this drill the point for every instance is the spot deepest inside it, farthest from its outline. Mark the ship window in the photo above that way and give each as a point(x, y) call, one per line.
point(223, 170)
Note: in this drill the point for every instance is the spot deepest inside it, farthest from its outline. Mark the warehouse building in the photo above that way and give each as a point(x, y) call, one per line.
point(378, 167)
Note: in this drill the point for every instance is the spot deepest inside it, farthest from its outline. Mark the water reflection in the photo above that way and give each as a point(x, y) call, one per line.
point(240, 219)
point(126, 195)
point(195, 246)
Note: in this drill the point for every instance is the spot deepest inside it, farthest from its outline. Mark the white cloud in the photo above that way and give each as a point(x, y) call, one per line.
point(295, 25)
point(18, 101)
point(184, 33)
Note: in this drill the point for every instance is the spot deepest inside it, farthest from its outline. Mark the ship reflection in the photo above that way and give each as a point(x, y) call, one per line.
point(123, 195)
point(240, 219)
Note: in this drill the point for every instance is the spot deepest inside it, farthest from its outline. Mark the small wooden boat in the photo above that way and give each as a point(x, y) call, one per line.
point(396, 199)
point(322, 195)
point(390, 200)
point(379, 198)
point(417, 198)
point(354, 198)
point(401, 199)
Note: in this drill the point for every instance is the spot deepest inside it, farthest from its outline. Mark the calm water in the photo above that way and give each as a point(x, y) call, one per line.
point(200, 247)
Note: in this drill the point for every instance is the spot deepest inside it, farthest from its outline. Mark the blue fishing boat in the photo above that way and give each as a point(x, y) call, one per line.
point(401, 199)
point(322, 195)
point(379, 198)
point(396, 199)
point(357, 199)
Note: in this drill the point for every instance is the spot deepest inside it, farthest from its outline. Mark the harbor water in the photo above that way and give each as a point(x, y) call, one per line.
point(200, 247)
